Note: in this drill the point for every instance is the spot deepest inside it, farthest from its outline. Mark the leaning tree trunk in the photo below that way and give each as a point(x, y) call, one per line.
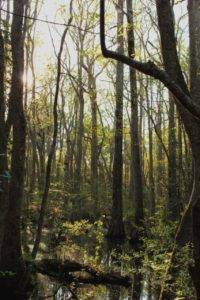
point(116, 229)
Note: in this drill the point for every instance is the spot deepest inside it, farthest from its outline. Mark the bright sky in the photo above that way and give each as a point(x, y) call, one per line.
point(45, 50)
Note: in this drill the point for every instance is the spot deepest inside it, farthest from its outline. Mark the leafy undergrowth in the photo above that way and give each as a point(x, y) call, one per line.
point(84, 242)
point(157, 249)
point(81, 241)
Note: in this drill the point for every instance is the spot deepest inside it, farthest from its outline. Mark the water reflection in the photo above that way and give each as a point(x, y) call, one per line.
point(85, 292)
point(110, 258)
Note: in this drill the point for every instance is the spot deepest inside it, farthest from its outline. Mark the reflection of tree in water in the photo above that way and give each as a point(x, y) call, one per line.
point(111, 258)
point(137, 279)
point(43, 289)
point(118, 247)
point(114, 292)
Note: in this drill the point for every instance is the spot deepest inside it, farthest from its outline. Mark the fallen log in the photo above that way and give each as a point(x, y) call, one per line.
point(62, 273)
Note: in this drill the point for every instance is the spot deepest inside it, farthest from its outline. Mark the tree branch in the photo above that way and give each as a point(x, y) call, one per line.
point(148, 68)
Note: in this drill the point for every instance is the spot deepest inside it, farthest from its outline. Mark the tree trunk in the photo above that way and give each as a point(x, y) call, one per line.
point(68, 172)
point(192, 125)
point(194, 132)
point(116, 228)
point(92, 90)
point(77, 203)
point(187, 106)
point(3, 140)
point(11, 254)
point(195, 271)
point(94, 145)
point(173, 205)
point(180, 191)
point(136, 170)
point(159, 156)
point(151, 163)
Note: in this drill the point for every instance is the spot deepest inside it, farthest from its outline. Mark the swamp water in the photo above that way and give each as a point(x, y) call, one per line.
point(93, 250)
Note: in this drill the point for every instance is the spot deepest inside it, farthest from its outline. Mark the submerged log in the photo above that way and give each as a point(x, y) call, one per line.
point(62, 273)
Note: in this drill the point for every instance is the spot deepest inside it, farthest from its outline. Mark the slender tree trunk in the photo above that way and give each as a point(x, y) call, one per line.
point(173, 201)
point(92, 90)
point(136, 170)
point(34, 159)
point(40, 141)
point(159, 157)
point(151, 162)
point(180, 191)
point(77, 203)
point(52, 148)
point(94, 143)
point(116, 229)
point(31, 132)
point(68, 172)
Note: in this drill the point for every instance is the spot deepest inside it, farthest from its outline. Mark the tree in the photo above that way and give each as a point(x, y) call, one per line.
point(186, 102)
point(172, 201)
point(77, 201)
point(151, 175)
point(116, 229)
point(3, 139)
point(53, 144)
point(11, 254)
point(136, 170)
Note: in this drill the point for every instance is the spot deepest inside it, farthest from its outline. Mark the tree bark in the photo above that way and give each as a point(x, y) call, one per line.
point(92, 90)
point(192, 125)
point(94, 145)
point(116, 228)
point(194, 132)
point(77, 203)
point(159, 156)
point(3, 139)
point(151, 162)
point(136, 170)
point(173, 205)
point(11, 254)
